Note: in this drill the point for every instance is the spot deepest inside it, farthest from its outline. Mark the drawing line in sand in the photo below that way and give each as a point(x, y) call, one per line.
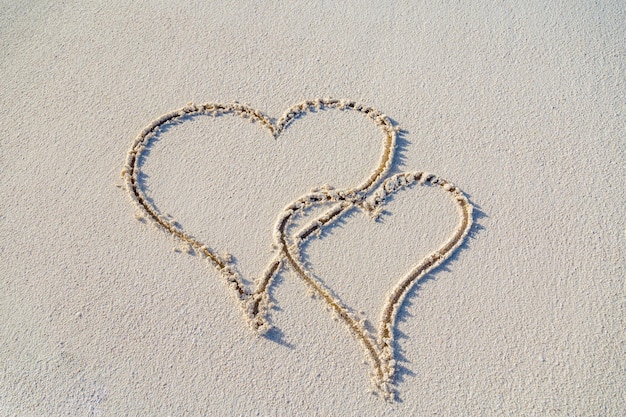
point(369, 196)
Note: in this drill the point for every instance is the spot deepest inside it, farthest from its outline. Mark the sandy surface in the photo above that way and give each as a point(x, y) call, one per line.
point(522, 107)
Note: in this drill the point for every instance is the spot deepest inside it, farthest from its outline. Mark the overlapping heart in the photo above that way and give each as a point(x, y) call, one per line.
point(256, 302)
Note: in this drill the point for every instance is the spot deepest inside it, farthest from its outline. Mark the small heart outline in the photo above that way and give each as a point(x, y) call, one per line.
point(380, 350)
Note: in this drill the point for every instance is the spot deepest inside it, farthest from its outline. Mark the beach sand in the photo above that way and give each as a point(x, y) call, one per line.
point(522, 107)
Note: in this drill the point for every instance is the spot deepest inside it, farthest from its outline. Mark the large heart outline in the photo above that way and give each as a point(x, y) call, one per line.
point(380, 349)
point(255, 302)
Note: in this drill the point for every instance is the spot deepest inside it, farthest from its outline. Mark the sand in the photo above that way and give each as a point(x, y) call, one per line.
point(514, 301)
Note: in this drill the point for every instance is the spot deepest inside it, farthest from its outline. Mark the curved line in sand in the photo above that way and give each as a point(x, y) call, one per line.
point(255, 302)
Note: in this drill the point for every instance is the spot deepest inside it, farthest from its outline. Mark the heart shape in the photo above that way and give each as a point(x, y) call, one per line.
point(255, 302)
point(380, 349)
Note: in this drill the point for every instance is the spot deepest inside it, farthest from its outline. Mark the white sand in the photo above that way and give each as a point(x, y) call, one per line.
point(522, 107)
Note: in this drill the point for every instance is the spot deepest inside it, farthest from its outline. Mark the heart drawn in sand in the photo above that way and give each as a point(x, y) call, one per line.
point(370, 195)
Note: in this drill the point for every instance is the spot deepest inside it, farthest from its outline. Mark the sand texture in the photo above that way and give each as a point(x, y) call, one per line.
point(290, 209)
